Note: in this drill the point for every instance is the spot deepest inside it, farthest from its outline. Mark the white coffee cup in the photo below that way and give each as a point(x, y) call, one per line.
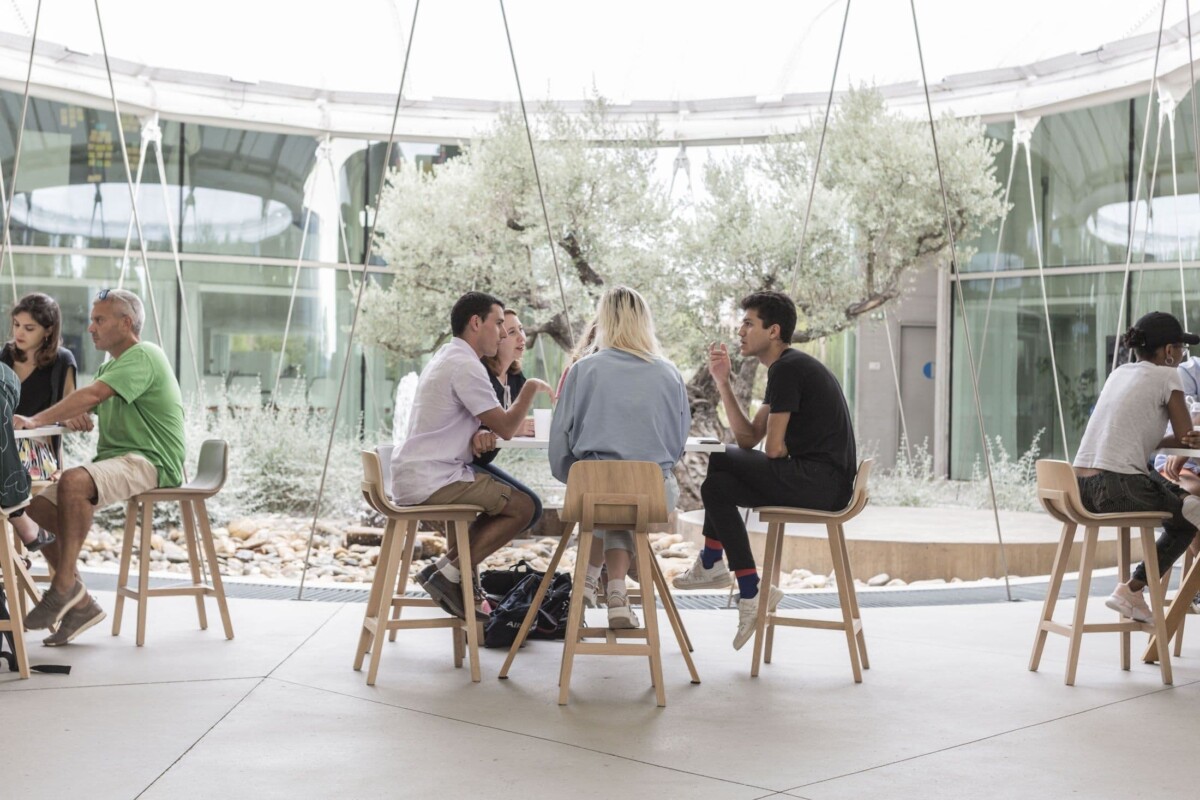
point(541, 423)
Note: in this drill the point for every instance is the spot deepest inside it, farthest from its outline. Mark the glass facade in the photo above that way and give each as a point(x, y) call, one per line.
point(1084, 177)
point(237, 203)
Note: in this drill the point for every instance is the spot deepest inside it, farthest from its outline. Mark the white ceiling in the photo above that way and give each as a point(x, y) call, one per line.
point(710, 71)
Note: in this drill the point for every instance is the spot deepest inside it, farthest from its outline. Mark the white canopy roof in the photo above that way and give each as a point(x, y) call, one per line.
point(709, 71)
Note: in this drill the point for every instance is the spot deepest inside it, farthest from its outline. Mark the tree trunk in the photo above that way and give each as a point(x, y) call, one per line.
point(705, 402)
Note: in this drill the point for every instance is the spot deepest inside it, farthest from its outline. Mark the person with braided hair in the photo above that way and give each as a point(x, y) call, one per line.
point(1126, 427)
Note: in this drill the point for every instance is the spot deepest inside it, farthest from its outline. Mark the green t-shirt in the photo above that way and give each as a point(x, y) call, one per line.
point(146, 415)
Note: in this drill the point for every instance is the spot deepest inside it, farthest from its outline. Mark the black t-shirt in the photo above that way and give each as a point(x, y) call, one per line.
point(515, 381)
point(819, 428)
point(37, 391)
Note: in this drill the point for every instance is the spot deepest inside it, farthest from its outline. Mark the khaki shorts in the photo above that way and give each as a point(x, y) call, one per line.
point(485, 491)
point(116, 479)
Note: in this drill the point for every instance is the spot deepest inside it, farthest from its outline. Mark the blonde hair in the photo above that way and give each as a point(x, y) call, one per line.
point(587, 342)
point(624, 322)
point(493, 363)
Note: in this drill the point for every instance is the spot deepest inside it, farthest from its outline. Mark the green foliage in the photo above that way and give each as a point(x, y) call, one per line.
point(275, 461)
point(912, 482)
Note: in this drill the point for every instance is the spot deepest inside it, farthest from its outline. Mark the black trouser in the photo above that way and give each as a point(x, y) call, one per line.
point(748, 479)
point(1116, 492)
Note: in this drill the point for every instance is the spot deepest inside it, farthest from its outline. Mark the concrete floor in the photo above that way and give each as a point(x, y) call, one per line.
point(948, 709)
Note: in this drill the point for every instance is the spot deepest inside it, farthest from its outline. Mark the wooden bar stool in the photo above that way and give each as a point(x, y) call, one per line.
point(395, 560)
point(777, 518)
point(210, 477)
point(1058, 491)
point(1180, 598)
point(13, 590)
point(614, 495)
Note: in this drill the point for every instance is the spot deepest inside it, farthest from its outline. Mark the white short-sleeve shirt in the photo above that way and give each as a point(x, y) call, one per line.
point(1128, 421)
point(453, 391)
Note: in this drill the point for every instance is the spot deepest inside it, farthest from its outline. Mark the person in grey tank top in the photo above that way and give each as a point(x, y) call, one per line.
point(1112, 465)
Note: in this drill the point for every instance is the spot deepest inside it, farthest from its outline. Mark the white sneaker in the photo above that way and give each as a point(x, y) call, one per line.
point(700, 577)
point(1130, 604)
point(748, 615)
point(621, 615)
point(591, 593)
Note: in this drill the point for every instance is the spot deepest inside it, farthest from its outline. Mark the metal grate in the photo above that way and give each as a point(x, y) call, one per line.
point(1102, 585)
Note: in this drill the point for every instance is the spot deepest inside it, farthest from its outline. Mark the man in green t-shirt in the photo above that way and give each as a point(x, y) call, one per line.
point(141, 447)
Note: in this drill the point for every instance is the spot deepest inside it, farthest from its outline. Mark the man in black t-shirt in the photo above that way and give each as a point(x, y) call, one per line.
point(810, 459)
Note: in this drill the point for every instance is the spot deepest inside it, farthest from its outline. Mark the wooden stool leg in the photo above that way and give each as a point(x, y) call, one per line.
point(773, 579)
point(189, 533)
point(1122, 577)
point(845, 590)
point(1061, 556)
point(466, 565)
point(1154, 582)
point(1187, 567)
point(12, 589)
point(366, 636)
point(543, 586)
point(126, 557)
point(1091, 536)
point(380, 602)
point(855, 614)
point(144, 569)
point(214, 566)
point(410, 544)
point(574, 616)
point(673, 617)
point(650, 607)
point(774, 530)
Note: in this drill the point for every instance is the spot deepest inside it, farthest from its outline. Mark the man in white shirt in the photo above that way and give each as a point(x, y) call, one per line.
point(433, 466)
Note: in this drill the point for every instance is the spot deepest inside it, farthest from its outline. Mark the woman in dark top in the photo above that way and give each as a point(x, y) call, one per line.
point(507, 379)
point(46, 371)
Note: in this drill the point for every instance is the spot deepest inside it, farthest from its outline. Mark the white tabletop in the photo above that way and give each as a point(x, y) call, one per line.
point(45, 430)
point(694, 444)
point(1180, 451)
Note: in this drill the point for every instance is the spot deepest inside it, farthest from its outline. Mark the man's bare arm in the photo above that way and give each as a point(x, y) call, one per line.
point(74, 404)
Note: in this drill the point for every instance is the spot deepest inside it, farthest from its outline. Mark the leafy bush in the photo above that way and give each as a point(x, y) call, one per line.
point(275, 461)
point(912, 481)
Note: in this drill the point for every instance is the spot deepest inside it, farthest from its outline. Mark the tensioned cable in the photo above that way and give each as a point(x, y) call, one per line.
point(5, 248)
point(887, 329)
point(153, 137)
point(1037, 247)
point(987, 314)
point(562, 292)
point(133, 207)
point(962, 307)
point(322, 154)
point(1138, 189)
point(1192, 93)
point(1150, 222)
point(812, 189)
point(362, 282)
point(1178, 228)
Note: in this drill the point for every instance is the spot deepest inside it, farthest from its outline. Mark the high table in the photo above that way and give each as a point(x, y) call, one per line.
point(1187, 589)
point(694, 445)
point(45, 430)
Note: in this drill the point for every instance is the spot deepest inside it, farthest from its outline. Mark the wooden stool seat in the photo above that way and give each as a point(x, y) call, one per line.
point(14, 588)
point(1058, 491)
point(210, 478)
point(612, 495)
point(395, 561)
point(777, 518)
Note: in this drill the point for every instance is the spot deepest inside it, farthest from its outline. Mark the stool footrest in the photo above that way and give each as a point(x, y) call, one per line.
point(612, 649)
point(170, 591)
point(1100, 627)
point(806, 622)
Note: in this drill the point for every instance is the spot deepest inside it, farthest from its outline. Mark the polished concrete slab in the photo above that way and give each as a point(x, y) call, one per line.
point(948, 709)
